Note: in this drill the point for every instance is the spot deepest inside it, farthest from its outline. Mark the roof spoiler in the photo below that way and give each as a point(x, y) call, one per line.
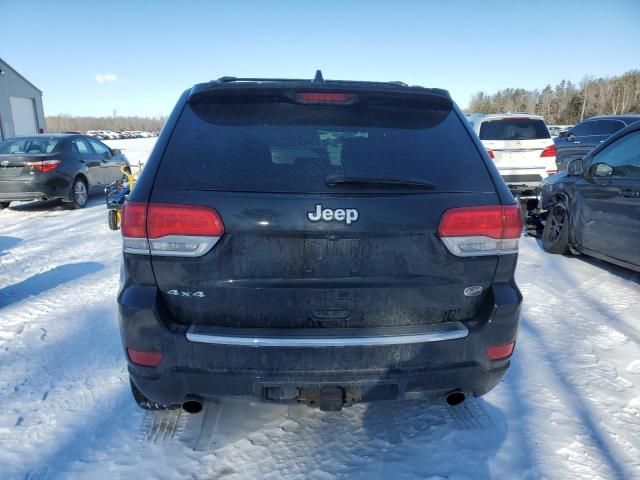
point(319, 79)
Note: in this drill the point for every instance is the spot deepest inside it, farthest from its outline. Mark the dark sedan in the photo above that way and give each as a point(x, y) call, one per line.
point(594, 207)
point(57, 166)
point(587, 135)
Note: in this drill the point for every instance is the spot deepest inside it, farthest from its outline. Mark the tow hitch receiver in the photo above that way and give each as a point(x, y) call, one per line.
point(331, 399)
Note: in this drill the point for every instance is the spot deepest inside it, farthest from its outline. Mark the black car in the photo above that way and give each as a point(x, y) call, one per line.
point(320, 242)
point(56, 166)
point(587, 135)
point(594, 207)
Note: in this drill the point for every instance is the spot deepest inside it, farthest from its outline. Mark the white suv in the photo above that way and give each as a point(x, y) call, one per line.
point(519, 144)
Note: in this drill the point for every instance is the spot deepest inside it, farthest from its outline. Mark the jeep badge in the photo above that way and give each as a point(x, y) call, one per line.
point(348, 215)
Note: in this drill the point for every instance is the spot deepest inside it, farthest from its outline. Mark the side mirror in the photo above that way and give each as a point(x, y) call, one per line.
point(563, 134)
point(116, 151)
point(575, 167)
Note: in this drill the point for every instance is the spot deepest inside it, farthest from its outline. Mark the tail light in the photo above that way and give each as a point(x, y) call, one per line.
point(170, 230)
point(486, 230)
point(325, 97)
point(44, 165)
point(490, 152)
point(146, 359)
point(498, 352)
point(550, 151)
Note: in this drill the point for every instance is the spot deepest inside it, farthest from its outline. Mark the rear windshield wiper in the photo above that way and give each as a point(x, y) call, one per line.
point(333, 180)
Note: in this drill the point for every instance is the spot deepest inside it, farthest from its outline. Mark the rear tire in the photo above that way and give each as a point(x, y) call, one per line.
point(79, 194)
point(112, 217)
point(555, 235)
point(146, 404)
point(4, 205)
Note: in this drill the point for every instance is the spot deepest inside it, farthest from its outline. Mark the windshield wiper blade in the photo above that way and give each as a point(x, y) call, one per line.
point(333, 180)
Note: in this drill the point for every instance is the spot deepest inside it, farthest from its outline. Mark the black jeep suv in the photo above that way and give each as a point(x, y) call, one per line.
point(322, 242)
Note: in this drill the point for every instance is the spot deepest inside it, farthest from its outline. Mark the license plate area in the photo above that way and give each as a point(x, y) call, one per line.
point(324, 257)
point(6, 172)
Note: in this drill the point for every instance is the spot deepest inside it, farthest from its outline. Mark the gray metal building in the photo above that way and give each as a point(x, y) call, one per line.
point(21, 111)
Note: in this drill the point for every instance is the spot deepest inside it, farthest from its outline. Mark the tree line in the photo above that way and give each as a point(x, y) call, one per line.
point(567, 103)
point(68, 123)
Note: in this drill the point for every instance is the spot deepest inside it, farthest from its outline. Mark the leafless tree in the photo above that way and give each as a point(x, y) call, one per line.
point(66, 123)
point(567, 103)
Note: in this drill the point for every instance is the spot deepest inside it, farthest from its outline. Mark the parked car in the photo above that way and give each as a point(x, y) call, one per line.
point(557, 130)
point(108, 134)
point(308, 241)
point(141, 134)
point(587, 135)
point(554, 131)
point(594, 206)
point(58, 166)
point(520, 145)
point(95, 134)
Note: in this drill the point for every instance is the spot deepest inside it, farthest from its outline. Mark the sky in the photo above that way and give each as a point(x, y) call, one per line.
point(91, 57)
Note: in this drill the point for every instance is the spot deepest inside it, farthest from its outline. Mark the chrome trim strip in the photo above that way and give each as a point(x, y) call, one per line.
point(354, 337)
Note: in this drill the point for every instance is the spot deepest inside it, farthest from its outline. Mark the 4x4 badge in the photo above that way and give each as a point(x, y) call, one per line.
point(181, 293)
point(347, 215)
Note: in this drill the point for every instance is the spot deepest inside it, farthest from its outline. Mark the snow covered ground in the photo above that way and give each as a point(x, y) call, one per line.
point(569, 407)
point(137, 150)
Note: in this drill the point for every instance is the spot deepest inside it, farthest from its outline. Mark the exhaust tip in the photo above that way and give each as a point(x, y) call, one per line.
point(192, 406)
point(455, 398)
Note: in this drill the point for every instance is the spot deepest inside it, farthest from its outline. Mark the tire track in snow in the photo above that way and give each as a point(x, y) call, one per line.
point(66, 301)
point(315, 437)
point(576, 327)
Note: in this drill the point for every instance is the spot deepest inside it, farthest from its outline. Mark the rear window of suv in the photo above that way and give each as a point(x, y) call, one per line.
point(291, 148)
point(513, 129)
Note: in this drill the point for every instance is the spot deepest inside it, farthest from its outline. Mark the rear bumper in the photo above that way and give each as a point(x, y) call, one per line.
point(523, 179)
point(296, 373)
point(175, 386)
point(11, 190)
point(522, 182)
